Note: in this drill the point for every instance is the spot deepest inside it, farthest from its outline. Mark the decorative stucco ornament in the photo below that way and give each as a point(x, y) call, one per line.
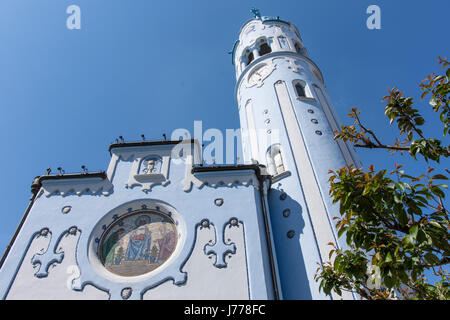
point(126, 293)
point(205, 223)
point(234, 222)
point(66, 209)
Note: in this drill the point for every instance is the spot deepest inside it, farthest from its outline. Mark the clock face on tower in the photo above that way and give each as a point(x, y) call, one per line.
point(259, 74)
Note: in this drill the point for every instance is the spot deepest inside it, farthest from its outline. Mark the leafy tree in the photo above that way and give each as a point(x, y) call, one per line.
point(396, 225)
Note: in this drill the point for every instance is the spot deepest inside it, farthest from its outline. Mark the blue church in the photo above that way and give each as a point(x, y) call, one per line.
point(157, 224)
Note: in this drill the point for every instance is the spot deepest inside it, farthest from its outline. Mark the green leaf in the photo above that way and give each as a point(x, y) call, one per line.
point(440, 177)
point(366, 190)
point(443, 115)
point(388, 258)
point(437, 191)
point(423, 238)
point(431, 258)
point(341, 231)
point(419, 121)
point(435, 224)
point(402, 216)
point(413, 231)
point(401, 186)
point(389, 282)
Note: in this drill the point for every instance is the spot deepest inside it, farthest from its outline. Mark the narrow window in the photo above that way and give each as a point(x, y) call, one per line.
point(250, 58)
point(298, 48)
point(300, 89)
point(278, 160)
point(275, 161)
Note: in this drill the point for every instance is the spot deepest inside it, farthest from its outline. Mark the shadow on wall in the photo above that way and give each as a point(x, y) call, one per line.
point(287, 224)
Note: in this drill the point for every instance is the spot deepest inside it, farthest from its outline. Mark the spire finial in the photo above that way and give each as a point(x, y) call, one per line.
point(256, 13)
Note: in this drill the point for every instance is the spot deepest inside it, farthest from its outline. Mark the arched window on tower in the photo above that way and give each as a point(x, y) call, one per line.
point(275, 161)
point(264, 47)
point(301, 90)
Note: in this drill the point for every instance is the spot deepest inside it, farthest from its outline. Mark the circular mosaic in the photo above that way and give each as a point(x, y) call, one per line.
point(138, 243)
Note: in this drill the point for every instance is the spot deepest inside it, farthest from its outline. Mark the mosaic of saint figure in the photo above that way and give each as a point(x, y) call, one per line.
point(109, 246)
point(154, 254)
point(166, 244)
point(138, 244)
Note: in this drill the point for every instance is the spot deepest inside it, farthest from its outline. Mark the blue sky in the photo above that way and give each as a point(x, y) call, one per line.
point(149, 67)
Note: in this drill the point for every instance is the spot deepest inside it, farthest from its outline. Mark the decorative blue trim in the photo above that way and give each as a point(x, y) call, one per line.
point(233, 51)
point(277, 19)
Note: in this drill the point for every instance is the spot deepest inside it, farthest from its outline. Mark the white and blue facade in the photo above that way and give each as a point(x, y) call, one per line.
point(249, 231)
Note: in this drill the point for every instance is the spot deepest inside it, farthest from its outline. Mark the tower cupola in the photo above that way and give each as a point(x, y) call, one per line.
point(263, 35)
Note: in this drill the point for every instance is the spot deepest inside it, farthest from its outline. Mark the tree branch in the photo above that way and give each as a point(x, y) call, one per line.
point(367, 130)
point(389, 147)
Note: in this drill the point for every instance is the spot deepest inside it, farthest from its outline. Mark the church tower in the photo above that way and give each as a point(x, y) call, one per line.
point(287, 122)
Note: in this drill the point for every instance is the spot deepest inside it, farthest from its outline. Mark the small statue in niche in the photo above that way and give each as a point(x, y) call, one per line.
point(151, 165)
